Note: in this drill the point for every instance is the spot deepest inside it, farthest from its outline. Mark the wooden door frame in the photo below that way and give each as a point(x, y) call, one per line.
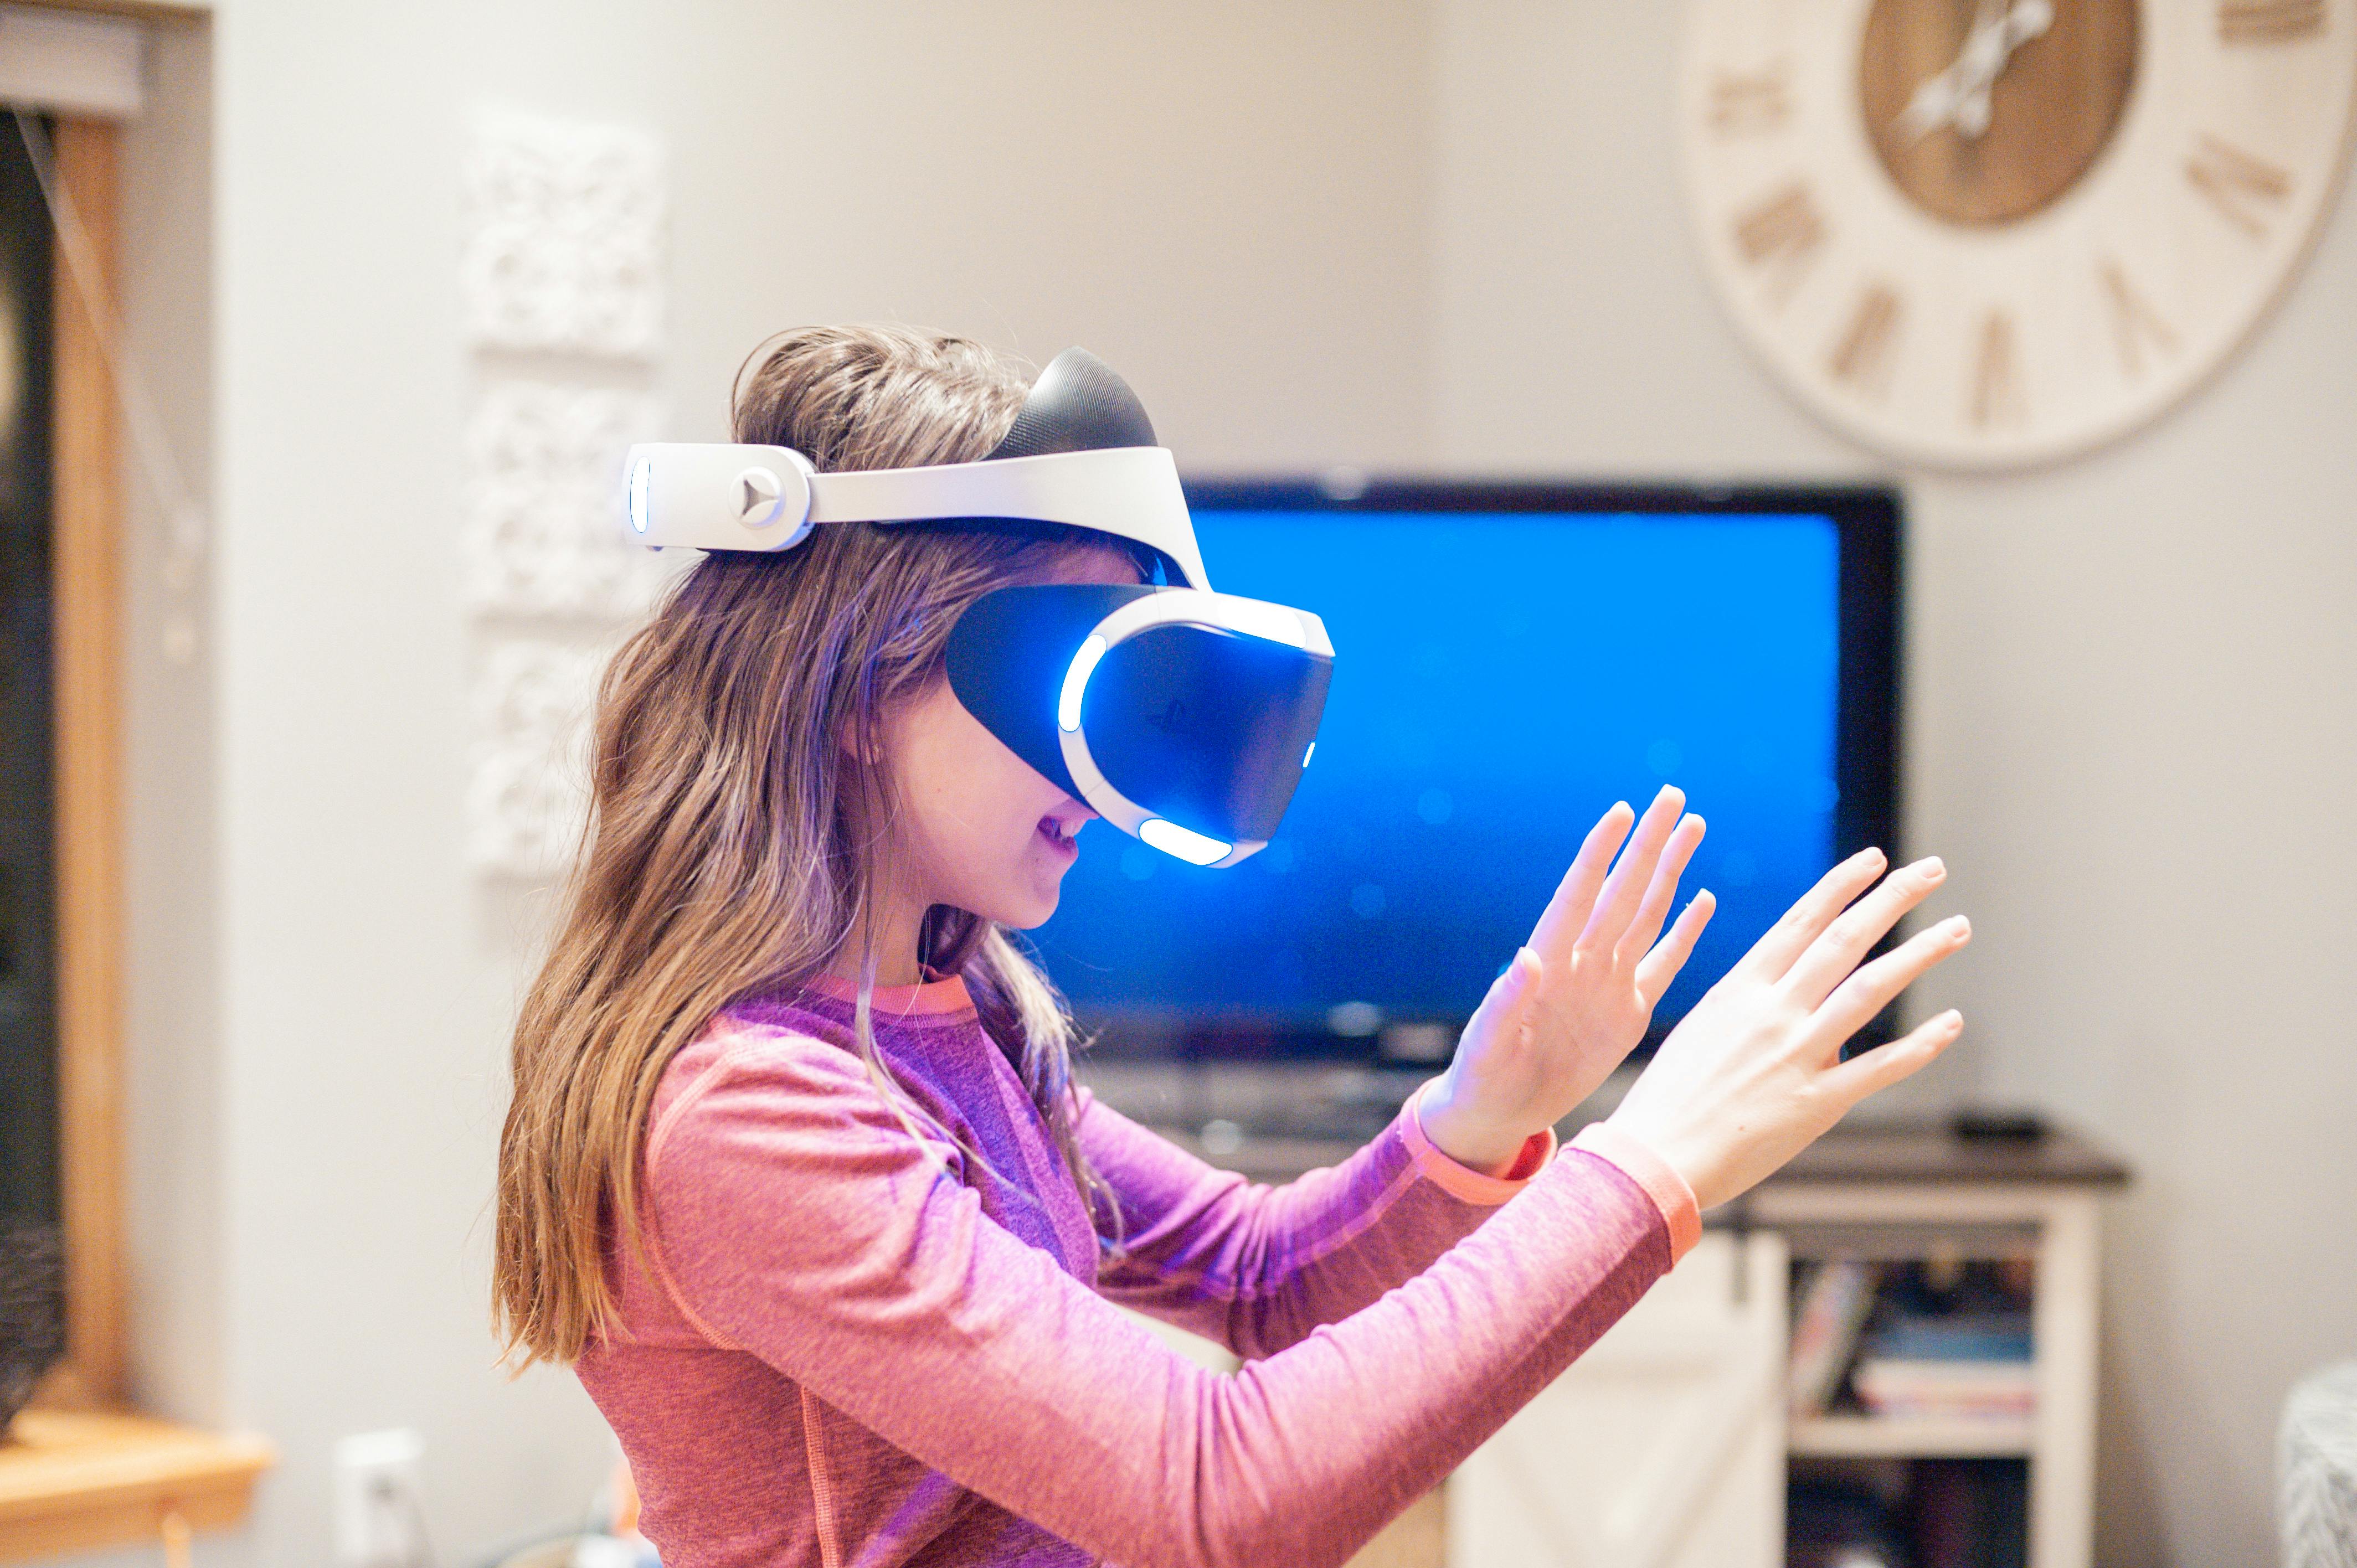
point(83, 1479)
point(86, 674)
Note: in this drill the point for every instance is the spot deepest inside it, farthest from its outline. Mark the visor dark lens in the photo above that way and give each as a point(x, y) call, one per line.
point(1204, 727)
point(1007, 657)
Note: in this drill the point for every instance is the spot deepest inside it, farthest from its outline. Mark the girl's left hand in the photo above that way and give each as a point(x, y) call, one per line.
point(1577, 1000)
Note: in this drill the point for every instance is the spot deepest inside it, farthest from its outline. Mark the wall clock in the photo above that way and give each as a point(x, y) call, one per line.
point(1988, 234)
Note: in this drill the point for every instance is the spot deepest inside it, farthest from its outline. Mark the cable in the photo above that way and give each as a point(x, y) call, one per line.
point(386, 1491)
point(151, 451)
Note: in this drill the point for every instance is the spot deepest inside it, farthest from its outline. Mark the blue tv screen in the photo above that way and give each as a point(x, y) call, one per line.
point(1501, 677)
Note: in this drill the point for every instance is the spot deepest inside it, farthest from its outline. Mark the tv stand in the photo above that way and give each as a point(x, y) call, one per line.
point(1874, 1191)
point(1898, 1192)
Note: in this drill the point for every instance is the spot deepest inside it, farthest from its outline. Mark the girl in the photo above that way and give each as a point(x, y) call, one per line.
point(796, 1175)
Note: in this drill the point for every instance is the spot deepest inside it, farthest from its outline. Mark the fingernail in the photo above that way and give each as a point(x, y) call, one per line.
point(1870, 853)
point(1932, 868)
point(1951, 1020)
point(1960, 928)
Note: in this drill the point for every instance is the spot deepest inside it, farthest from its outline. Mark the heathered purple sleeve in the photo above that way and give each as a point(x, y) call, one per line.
point(795, 1219)
point(1257, 1268)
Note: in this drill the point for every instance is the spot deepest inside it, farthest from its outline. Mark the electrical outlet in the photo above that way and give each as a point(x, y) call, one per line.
point(379, 1513)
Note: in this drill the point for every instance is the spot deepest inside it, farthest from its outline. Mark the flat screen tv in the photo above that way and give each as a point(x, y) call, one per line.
point(1510, 660)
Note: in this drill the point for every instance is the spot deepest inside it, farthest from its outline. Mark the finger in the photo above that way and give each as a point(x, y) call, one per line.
point(1867, 991)
point(1880, 1068)
point(1567, 913)
point(1660, 966)
point(1853, 934)
point(1785, 941)
point(1615, 907)
point(1663, 891)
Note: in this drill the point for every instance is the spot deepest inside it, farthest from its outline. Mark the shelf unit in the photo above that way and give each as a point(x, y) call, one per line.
point(1888, 1196)
point(1886, 1191)
point(81, 1480)
point(1911, 1437)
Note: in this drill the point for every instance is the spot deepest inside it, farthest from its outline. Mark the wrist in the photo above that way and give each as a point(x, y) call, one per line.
point(1464, 1136)
point(1684, 1158)
point(1640, 1162)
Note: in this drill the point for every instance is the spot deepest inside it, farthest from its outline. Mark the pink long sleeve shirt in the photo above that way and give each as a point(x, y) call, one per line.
point(853, 1350)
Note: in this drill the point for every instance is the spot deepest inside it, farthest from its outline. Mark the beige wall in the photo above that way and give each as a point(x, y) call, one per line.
point(1390, 233)
point(175, 1065)
point(1226, 200)
point(2131, 727)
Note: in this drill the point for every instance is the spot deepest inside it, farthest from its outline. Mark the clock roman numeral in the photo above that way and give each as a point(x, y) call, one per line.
point(1996, 381)
point(2269, 21)
point(2134, 320)
point(1751, 104)
point(1781, 236)
point(2237, 183)
point(1862, 354)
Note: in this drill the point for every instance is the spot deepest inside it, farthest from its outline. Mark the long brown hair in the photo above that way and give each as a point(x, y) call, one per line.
point(739, 800)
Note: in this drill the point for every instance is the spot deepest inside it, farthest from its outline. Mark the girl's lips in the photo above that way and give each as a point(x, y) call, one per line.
point(1051, 830)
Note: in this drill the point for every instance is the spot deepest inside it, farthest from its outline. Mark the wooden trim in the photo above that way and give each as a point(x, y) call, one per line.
point(78, 1481)
point(86, 591)
point(76, 1475)
point(141, 10)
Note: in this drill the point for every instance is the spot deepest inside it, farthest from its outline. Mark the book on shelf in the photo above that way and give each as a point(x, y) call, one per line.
point(1968, 1365)
point(1963, 1390)
point(1834, 1298)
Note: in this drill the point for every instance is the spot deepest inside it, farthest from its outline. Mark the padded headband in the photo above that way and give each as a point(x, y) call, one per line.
point(1081, 452)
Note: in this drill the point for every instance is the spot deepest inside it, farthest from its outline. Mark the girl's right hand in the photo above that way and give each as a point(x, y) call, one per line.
point(1753, 1074)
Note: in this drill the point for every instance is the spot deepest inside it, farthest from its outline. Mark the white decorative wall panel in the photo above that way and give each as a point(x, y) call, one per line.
point(529, 793)
point(562, 279)
point(543, 501)
point(564, 247)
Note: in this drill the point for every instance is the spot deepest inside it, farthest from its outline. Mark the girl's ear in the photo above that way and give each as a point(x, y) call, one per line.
point(860, 739)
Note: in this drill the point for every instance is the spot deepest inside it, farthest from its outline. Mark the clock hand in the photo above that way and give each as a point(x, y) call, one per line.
point(1959, 96)
point(1932, 106)
point(1936, 100)
point(2027, 20)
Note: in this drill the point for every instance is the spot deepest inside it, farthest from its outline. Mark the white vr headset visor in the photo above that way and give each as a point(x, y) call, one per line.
point(1182, 716)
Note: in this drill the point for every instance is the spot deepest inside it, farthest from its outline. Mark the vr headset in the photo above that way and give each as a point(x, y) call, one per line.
point(1182, 716)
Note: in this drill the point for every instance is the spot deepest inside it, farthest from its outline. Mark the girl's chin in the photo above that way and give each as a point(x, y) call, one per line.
point(1027, 913)
point(1037, 902)
point(1028, 895)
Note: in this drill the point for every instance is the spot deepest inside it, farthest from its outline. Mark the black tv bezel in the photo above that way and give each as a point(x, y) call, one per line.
point(1868, 524)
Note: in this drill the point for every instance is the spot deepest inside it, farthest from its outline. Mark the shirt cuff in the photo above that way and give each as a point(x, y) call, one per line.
point(1668, 1189)
point(1463, 1181)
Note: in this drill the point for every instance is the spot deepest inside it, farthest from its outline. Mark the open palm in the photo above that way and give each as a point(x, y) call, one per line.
point(1577, 1000)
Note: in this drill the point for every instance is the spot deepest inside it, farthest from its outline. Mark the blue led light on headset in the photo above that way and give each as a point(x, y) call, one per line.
point(1076, 681)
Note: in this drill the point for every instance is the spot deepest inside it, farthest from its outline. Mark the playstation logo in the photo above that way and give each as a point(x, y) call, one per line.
point(756, 497)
